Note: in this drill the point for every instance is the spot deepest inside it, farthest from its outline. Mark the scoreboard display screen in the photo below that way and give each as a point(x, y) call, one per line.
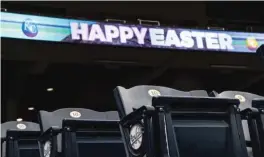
point(32, 27)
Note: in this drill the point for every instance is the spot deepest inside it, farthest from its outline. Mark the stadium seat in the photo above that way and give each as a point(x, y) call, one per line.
point(260, 51)
point(78, 132)
point(251, 110)
point(19, 139)
point(178, 123)
point(259, 104)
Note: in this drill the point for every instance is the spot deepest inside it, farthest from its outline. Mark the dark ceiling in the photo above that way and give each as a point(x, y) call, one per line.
point(187, 14)
point(85, 75)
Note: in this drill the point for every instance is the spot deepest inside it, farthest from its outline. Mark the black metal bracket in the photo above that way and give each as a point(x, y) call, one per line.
point(141, 116)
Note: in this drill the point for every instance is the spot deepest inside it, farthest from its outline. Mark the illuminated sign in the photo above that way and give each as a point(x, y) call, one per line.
point(91, 32)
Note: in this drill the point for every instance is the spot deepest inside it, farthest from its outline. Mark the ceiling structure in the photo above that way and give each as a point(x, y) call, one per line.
point(236, 15)
point(85, 75)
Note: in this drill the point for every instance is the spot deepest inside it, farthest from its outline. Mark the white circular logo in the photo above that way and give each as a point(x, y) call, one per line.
point(240, 98)
point(136, 134)
point(75, 114)
point(154, 92)
point(47, 149)
point(21, 126)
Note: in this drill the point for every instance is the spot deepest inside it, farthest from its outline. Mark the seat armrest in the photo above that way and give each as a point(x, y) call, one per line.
point(22, 134)
point(258, 103)
point(136, 115)
point(89, 123)
point(191, 102)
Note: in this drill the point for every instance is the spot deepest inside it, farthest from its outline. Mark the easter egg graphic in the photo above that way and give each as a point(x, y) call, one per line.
point(252, 43)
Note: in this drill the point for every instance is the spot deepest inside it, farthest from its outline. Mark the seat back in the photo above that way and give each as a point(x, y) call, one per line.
point(86, 124)
point(248, 124)
point(245, 98)
point(20, 139)
point(55, 118)
point(206, 126)
point(129, 99)
point(259, 104)
point(18, 126)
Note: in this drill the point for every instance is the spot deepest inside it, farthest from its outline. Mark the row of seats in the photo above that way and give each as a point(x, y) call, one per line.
point(151, 121)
